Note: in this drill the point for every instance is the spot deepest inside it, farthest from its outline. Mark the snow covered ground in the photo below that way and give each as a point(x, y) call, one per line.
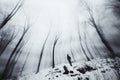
point(96, 69)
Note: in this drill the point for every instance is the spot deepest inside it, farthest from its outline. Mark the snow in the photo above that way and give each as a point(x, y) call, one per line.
point(68, 20)
point(96, 69)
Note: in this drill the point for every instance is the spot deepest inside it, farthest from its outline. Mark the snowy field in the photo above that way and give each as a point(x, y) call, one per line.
point(98, 69)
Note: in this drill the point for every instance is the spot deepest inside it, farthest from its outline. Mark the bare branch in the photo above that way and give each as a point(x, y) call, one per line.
point(53, 52)
point(12, 13)
point(8, 68)
point(99, 31)
point(13, 36)
point(41, 53)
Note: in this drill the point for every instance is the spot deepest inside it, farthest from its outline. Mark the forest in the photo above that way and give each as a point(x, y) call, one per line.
point(59, 40)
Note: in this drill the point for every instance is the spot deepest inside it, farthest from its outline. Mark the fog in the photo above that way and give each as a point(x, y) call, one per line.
point(65, 21)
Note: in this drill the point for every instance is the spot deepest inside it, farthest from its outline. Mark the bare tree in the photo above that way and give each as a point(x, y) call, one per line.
point(87, 47)
point(81, 45)
point(53, 51)
point(15, 59)
point(11, 61)
point(41, 53)
point(4, 43)
point(115, 6)
point(25, 62)
point(93, 23)
point(12, 13)
point(94, 48)
point(71, 51)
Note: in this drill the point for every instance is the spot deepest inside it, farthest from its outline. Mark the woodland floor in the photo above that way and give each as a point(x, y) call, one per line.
point(96, 69)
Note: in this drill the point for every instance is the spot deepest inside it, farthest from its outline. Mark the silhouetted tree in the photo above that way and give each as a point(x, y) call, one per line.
point(71, 51)
point(25, 62)
point(88, 47)
point(115, 6)
point(11, 14)
point(53, 51)
point(41, 53)
point(93, 23)
point(94, 48)
point(81, 45)
point(11, 61)
point(5, 42)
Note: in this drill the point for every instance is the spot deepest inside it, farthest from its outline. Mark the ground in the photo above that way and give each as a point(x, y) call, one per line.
point(96, 69)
